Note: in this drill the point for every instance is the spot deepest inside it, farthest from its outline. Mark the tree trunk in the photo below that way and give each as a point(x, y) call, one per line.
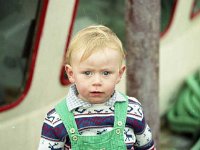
point(142, 44)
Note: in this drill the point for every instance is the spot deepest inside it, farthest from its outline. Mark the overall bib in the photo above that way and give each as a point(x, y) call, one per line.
point(112, 140)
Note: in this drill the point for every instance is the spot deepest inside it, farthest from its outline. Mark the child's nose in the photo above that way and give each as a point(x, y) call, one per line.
point(97, 80)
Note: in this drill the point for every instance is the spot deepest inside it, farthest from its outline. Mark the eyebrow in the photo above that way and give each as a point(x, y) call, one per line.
point(92, 68)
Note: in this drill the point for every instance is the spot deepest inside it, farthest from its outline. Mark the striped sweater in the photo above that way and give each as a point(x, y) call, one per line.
point(95, 120)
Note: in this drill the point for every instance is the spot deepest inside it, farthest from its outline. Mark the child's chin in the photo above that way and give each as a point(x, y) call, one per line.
point(97, 101)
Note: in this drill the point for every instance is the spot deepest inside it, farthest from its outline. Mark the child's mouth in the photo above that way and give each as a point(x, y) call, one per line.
point(96, 93)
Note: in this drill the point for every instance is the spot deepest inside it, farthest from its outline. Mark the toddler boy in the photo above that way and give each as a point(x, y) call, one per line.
point(93, 115)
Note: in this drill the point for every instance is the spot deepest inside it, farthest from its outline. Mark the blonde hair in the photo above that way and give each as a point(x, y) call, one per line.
point(93, 39)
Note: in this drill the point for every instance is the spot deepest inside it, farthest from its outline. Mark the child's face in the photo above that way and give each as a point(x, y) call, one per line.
point(96, 77)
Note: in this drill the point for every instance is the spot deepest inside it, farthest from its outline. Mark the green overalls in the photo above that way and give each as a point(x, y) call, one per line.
point(112, 140)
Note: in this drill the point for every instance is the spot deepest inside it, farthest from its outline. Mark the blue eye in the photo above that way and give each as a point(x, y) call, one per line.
point(106, 73)
point(87, 73)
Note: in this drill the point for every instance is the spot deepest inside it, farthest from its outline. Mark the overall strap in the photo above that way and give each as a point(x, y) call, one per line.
point(67, 117)
point(121, 112)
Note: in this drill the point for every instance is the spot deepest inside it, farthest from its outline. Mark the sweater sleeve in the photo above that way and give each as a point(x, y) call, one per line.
point(142, 131)
point(144, 139)
point(53, 134)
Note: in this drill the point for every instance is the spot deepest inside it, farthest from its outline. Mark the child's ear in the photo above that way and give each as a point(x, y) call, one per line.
point(121, 72)
point(70, 73)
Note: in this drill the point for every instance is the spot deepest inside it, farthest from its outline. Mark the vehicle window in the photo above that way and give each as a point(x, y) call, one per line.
point(17, 25)
point(106, 12)
point(167, 12)
point(195, 8)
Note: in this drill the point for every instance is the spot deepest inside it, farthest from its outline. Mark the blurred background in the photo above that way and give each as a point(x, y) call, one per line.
point(34, 36)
